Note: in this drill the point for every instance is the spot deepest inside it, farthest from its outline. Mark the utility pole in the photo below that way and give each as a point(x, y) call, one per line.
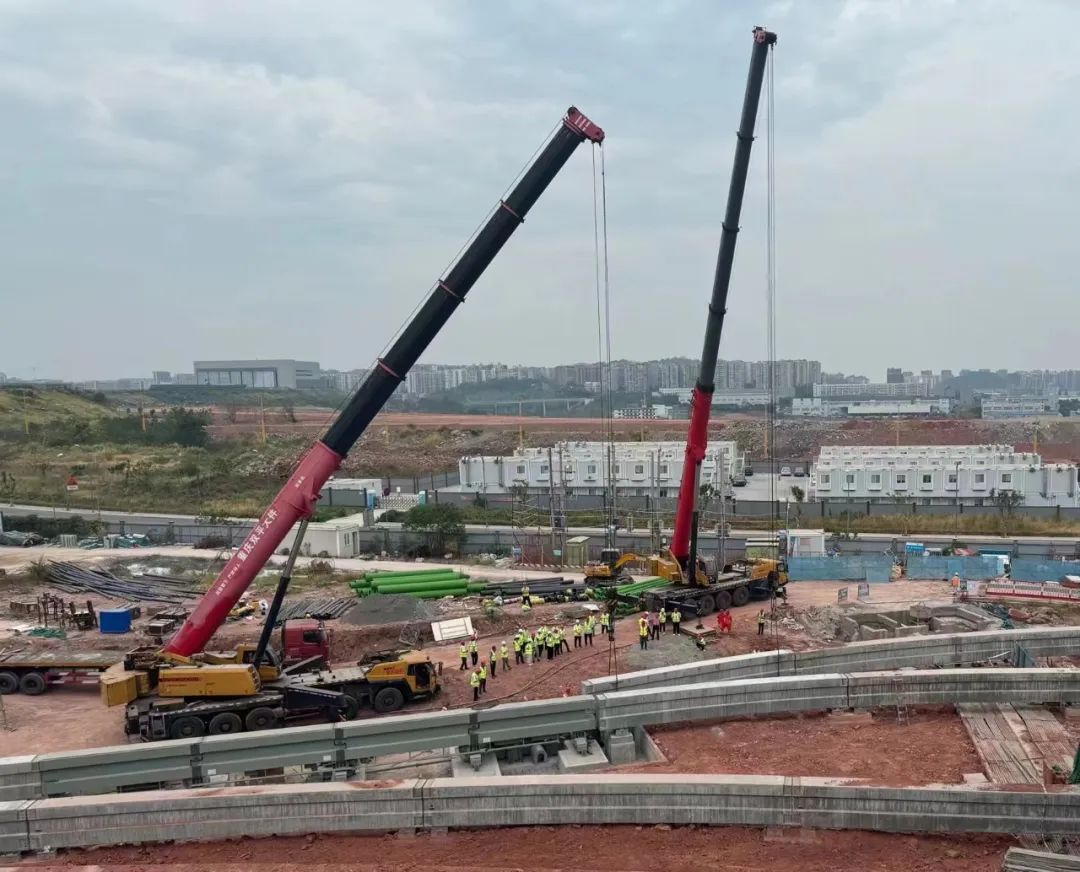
point(957, 499)
point(551, 501)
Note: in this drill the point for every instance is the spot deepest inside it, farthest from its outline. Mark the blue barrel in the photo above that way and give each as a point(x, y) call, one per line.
point(115, 620)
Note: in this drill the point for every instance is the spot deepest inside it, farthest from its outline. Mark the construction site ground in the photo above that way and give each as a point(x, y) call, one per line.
point(547, 849)
point(77, 719)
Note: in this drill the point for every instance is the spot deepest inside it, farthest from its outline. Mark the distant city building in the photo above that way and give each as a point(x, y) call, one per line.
point(894, 375)
point(3, 378)
point(1018, 407)
point(866, 391)
point(259, 373)
point(161, 377)
point(637, 468)
point(346, 382)
point(818, 408)
point(651, 412)
point(939, 474)
point(721, 397)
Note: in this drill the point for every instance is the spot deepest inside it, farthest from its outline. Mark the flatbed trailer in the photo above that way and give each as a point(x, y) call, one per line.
point(34, 672)
point(727, 590)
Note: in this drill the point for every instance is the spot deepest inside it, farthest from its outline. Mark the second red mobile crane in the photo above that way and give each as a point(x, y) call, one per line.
point(178, 691)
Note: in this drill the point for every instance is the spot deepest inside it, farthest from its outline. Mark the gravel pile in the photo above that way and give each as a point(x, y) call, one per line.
point(390, 609)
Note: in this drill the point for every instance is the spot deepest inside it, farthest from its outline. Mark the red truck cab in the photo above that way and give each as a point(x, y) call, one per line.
point(304, 638)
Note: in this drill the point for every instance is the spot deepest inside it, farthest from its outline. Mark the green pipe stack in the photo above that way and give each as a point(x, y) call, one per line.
point(421, 583)
point(636, 588)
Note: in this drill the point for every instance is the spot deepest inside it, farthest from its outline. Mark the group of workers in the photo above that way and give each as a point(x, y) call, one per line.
point(652, 624)
point(528, 646)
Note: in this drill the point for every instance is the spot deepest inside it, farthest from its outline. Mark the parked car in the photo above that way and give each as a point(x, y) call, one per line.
point(738, 481)
point(799, 472)
point(785, 470)
point(749, 470)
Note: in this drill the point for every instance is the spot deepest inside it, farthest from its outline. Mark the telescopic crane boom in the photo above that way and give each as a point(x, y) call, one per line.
point(297, 498)
point(701, 399)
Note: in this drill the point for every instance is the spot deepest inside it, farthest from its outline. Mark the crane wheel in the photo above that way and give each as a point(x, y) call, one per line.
point(33, 683)
point(261, 718)
point(706, 605)
point(389, 699)
point(723, 600)
point(224, 723)
point(352, 707)
point(741, 595)
point(9, 682)
point(187, 727)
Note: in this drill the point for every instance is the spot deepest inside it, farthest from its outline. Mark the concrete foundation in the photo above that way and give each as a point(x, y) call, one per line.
point(475, 766)
point(621, 748)
point(866, 622)
point(572, 761)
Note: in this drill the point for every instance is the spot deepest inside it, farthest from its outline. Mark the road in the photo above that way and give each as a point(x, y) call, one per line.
point(15, 510)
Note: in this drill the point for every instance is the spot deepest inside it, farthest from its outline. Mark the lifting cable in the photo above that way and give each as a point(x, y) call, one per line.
point(770, 289)
point(603, 332)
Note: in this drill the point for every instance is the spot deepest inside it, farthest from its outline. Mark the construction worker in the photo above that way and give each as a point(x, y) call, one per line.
point(668, 618)
point(590, 628)
point(524, 593)
point(474, 683)
point(504, 655)
point(464, 652)
point(529, 647)
point(663, 619)
point(643, 632)
point(474, 650)
point(761, 623)
point(562, 639)
point(578, 630)
point(494, 659)
point(654, 626)
point(676, 621)
point(549, 642)
point(519, 648)
point(483, 677)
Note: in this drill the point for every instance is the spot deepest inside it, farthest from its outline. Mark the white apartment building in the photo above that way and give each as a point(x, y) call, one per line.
point(816, 407)
point(656, 411)
point(878, 391)
point(638, 468)
point(940, 474)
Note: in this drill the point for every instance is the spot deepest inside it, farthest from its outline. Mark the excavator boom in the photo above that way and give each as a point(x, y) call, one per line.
point(297, 498)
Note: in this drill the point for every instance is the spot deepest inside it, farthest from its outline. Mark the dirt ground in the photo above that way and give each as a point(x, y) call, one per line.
point(78, 720)
point(932, 748)
point(549, 849)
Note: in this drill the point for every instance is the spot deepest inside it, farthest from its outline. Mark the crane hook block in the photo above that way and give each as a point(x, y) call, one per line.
point(576, 121)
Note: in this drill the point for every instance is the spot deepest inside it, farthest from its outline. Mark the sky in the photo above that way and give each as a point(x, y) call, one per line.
point(206, 180)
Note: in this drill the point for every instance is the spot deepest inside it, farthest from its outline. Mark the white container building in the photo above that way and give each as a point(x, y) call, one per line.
point(584, 468)
point(940, 474)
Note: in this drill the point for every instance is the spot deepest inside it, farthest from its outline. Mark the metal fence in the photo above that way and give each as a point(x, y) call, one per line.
point(869, 567)
point(936, 568)
point(1028, 569)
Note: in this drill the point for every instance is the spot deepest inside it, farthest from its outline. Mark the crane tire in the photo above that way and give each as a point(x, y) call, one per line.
point(261, 718)
point(723, 600)
point(225, 723)
point(741, 595)
point(9, 682)
point(706, 605)
point(33, 684)
point(187, 727)
point(389, 699)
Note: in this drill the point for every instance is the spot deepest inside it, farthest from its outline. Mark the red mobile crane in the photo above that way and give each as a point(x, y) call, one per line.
point(735, 584)
point(173, 671)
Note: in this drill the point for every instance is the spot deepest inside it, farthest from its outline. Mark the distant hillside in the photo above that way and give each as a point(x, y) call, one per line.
point(43, 407)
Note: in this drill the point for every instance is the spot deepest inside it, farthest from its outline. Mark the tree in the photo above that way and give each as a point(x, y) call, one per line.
point(1006, 502)
point(798, 494)
point(442, 526)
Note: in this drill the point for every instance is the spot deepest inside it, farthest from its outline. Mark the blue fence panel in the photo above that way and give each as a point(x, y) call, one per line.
point(936, 568)
point(867, 567)
point(1032, 569)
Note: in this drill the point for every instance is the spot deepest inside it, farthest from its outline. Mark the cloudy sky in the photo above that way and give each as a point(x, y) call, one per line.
point(200, 179)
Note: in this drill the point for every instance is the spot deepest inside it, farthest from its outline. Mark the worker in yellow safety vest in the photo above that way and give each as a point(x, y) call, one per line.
point(590, 628)
point(483, 676)
point(474, 651)
point(474, 683)
point(524, 593)
point(663, 619)
point(643, 632)
point(504, 655)
point(578, 630)
point(529, 649)
point(464, 652)
point(676, 621)
point(519, 648)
